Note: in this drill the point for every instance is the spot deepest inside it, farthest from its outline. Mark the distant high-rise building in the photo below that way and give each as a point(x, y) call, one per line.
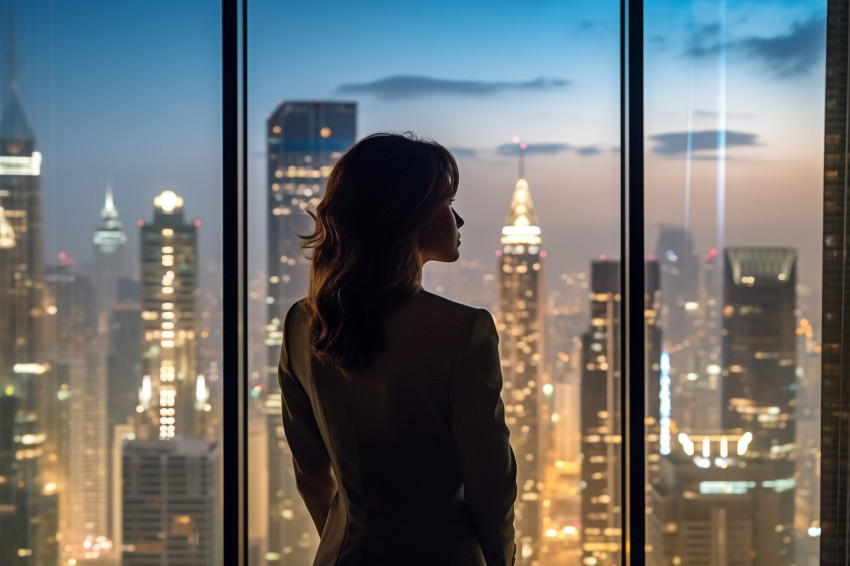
point(124, 363)
point(759, 379)
point(124, 373)
point(835, 432)
point(601, 466)
point(714, 505)
point(171, 503)
point(80, 351)
point(28, 470)
point(519, 324)
point(679, 265)
point(304, 141)
point(110, 244)
point(170, 387)
point(601, 427)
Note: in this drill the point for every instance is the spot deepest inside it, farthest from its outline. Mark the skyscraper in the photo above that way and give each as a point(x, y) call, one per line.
point(835, 437)
point(304, 141)
point(28, 477)
point(80, 353)
point(520, 330)
point(759, 380)
point(679, 265)
point(110, 244)
point(714, 505)
point(170, 386)
point(601, 466)
point(601, 427)
point(171, 510)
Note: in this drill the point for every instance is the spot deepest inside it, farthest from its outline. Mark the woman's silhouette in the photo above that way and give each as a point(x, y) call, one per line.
point(391, 395)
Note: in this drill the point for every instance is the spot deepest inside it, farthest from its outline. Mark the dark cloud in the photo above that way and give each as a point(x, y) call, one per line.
point(588, 150)
point(405, 87)
point(463, 151)
point(787, 55)
point(533, 149)
point(512, 149)
point(793, 53)
point(676, 143)
point(704, 41)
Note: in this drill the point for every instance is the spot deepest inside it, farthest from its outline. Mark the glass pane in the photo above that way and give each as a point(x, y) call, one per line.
point(491, 82)
point(110, 313)
point(734, 134)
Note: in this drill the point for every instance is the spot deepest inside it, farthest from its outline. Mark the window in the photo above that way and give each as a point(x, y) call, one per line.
point(110, 296)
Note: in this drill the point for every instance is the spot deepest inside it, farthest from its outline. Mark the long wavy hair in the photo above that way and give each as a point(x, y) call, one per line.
point(364, 248)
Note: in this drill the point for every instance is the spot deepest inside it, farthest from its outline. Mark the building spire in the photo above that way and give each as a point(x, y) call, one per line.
point(521, 225)
point(521, 153)
point(522, 147)
point(13, 123)
point(109, 211)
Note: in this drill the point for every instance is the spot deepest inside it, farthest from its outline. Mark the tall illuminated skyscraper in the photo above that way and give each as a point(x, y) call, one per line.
point(304, 141)
point(679, 264)
point(110, 244)
point(171, 391)
point(835, 437)
point(601, 467)
point(520, 330)
point(759, 379)
point(79, 351)
point(601, 427)
point(28, 431)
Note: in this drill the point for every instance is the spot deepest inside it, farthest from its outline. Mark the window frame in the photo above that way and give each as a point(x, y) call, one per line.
point(633, 271)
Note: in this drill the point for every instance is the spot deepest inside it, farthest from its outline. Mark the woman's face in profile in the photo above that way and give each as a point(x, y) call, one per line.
point(439, 237)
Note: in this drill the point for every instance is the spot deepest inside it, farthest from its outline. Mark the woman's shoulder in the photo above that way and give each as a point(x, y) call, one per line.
point(433, 301)
point(438, 313)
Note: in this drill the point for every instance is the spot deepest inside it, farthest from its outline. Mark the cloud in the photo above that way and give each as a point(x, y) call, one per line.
point(400, 87)
point(588, 150)
point(512, 149)
point(786, 55)
point(533, 149)
point(463, 151)
point(704, 41)
point(676, 143)
point(793, 53)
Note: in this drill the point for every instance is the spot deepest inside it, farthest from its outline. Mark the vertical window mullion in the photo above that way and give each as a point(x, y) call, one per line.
point(632, 390)
point(234, 303)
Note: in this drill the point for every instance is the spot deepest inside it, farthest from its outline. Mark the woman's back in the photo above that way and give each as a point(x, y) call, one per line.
point(416, 441)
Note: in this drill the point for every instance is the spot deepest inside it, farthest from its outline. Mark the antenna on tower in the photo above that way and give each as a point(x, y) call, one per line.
point(522, 147)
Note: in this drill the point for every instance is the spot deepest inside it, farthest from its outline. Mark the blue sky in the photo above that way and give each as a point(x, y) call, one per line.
point(131, 91)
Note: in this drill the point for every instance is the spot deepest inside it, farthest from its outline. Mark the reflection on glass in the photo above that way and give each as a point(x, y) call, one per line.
point(110, 337)
point(733, 221)
point(528, 245)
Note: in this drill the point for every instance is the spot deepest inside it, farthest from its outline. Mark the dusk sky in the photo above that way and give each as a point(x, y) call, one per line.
point(130, 91)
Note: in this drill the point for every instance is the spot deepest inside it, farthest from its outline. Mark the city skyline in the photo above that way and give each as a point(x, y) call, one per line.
point(575, 184)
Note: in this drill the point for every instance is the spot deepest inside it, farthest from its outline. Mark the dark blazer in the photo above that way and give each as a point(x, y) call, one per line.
point(407, 463)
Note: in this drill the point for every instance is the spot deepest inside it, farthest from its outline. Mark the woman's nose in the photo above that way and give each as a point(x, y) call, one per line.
point(458, 219)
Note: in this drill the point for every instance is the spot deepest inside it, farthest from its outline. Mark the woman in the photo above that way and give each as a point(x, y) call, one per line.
point(391, 395)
